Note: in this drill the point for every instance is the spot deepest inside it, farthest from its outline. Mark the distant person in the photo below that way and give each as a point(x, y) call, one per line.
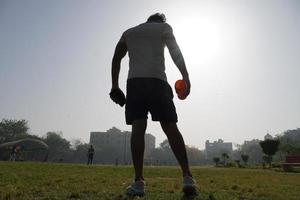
point(13, 154)
point(149, 91)
point(91, 153)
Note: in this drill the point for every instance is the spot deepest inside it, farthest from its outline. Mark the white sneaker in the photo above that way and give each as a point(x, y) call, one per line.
point(137, 188)
point(189, 186)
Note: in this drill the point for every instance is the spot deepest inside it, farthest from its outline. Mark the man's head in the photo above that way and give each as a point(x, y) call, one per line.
point(157, 17)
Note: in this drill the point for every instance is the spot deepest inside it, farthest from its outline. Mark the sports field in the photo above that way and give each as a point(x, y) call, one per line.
point(37, 181)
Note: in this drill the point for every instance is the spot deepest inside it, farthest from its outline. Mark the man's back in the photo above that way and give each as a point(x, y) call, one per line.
point(145, 44)
point(147, 90)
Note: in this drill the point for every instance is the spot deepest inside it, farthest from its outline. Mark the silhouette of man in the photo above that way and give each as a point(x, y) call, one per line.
point(13, 153)
point(91, 153)
point(149, 91)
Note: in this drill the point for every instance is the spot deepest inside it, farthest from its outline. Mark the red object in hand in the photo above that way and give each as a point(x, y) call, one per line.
point(180, 88)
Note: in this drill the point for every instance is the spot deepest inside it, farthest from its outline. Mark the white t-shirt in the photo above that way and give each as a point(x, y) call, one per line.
point(145, 44)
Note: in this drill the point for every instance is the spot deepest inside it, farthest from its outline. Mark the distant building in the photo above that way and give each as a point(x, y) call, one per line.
point(216, 148)
point(119, 141)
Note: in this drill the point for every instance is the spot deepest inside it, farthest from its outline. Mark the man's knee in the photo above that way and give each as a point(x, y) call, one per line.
point(139, 126)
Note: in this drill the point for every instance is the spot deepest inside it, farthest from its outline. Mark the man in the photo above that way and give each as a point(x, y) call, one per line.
point(13, 153)
point(91, 153)
point(149, 91)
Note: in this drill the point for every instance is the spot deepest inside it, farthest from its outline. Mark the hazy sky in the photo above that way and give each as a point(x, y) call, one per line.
point(242, 56)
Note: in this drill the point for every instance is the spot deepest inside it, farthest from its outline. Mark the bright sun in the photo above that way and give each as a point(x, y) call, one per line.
point(198, 39)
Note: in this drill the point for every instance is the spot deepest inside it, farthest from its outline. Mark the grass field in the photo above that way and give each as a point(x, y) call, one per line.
point(37, 181)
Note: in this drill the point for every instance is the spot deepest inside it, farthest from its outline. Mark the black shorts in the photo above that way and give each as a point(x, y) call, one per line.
point(149, 95)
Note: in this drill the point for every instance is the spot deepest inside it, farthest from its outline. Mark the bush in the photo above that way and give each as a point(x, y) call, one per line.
point(230, 164)
point(276, 165)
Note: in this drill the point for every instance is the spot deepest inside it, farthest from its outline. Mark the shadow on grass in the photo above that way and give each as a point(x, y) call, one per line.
point(128, 197)
point(185, 197)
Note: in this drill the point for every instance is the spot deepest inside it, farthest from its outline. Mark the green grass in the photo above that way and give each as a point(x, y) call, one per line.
point(37, 181)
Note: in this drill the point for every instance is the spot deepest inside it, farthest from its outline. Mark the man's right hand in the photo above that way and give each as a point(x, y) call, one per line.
point(117, 96)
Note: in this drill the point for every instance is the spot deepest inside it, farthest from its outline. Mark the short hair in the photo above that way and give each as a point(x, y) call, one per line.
point(157, 17)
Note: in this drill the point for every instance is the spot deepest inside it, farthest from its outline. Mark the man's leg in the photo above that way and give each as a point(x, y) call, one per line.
point(177, 144)
point(138, 146)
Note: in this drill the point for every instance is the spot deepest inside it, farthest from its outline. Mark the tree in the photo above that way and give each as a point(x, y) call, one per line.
point(196, 156)
point(165, 144)
point(163, 155)
point(80, 151)
point(245, 158)
point(59, 148)
point(290, 141)
point(267, 159)
point(157, 156)
point(253, 150)
point(216, 160)
point(11, 129)
point(238, 162)
point(108, 154)
point(269, 147)
point(225, 156)
point(167, 153)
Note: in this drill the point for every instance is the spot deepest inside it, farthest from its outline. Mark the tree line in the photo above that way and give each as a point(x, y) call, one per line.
point(59, 149)
point(62, 150)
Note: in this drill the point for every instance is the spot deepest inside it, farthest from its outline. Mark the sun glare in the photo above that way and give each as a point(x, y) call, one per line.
point(198, 39)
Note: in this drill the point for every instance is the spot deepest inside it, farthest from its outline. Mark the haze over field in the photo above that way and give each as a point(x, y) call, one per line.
point(242, 56)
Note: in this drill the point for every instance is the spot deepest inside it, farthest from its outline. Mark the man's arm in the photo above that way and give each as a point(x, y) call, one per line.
point(116, 93)
point(177, 56)
point(120, 52)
